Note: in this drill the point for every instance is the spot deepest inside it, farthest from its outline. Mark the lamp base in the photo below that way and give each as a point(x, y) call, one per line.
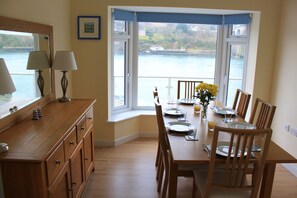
point(64, 99)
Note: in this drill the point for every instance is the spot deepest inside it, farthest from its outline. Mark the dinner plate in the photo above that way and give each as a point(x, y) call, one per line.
point(174, 112)
point(241, 125)
point(224, 111)
point(180, 127)
point(187, 101)
point(223, 149)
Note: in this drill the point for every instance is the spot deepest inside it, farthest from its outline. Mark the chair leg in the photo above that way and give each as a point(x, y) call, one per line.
point(159, 168)
point(194, 189)
point(165, 184)
point(160, 180)
point(158, 155)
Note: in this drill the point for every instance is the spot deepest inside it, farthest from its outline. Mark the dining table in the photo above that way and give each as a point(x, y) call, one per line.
point(184, 152)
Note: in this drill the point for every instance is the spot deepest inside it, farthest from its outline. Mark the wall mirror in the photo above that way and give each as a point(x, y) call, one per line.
point(17, 39)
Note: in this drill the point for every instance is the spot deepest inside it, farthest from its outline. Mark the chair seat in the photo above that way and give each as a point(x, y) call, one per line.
point(200, 176)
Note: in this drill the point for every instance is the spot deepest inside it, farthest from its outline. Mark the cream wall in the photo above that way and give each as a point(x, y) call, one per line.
point(284, 82)
point(54, 12)
point(91, 79)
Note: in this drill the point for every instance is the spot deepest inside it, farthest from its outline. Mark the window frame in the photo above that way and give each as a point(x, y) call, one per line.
point(227, 41)
point(224, 36)
point(125, 37)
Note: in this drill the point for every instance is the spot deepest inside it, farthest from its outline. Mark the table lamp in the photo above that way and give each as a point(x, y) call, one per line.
point(64, 61)
point(6, 83)
point(38, 60)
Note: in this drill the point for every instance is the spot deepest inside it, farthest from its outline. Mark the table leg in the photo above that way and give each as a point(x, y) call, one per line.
point(267, 180)
point(173, 180)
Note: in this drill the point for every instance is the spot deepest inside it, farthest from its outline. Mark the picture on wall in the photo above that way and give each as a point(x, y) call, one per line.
point(88, 27)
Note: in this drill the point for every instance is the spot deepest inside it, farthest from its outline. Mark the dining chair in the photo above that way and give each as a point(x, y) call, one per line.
point(158, 156)
point(262, 114)
point(239, 171)
point(186, 88)
point(163, 142)
point(241, 103)
point(186, 171)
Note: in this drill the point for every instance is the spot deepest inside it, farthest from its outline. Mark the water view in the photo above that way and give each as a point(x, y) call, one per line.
point(163, 71)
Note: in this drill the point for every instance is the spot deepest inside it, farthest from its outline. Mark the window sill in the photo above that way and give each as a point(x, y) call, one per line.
point(130, 114)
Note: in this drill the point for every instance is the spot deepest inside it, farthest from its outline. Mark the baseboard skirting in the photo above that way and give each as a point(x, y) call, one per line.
point(292, 168)
point(148, 134)
point(116, 142)
point(125, 139)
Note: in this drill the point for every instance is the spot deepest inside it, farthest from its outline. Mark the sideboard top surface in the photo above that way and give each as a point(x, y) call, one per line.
point(32, 140)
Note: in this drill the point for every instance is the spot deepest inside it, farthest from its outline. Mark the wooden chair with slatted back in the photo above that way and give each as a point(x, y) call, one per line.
point(241, 103)
point(230, 176)
point(164, 146)
point(262, 114)
point(158, 156)
point(185, 171)
point(186, 89)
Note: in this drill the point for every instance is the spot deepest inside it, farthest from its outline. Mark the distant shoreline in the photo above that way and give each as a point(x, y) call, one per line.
point(176, 52)
point(16, 49)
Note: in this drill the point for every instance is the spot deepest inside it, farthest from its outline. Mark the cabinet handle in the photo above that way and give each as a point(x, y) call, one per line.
point(58, 162)
point(71, 143)
point(82, 128)
point(90, 118)
point(86, 159)
point(73, 183)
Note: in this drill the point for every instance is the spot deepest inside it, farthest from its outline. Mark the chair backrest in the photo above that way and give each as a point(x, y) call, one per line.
point(241, 103)
point(155, 92)
point(233, 170)
point(186, 89)
point(262, 114)
point(161, 127)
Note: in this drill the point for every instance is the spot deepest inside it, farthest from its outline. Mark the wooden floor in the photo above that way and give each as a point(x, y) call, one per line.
point(128, 171)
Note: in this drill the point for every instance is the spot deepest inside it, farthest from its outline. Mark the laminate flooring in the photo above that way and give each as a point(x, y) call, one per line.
point(128, 171)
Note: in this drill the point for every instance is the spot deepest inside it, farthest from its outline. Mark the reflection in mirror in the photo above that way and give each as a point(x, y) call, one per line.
point(14, 49)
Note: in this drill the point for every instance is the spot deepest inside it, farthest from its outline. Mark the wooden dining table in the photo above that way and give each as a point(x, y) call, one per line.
point(185, 152)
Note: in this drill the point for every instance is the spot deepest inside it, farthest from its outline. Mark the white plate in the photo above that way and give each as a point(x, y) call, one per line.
point(182, 127)
point(174, 112)
point(241, 125)
point(187, 101)
point(223, 149)
point(224, 111)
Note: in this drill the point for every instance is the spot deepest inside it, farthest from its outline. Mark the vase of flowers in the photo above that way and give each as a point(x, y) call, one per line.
point(206, 92)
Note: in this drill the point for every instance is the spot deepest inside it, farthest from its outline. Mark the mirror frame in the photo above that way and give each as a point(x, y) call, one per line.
point(12, 24)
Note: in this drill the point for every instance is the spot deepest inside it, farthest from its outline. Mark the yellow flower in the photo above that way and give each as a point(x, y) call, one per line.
point(206, 92)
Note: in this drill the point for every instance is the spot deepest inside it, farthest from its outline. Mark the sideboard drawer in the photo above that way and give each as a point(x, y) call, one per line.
point(81, 128)
point(89, 118)
point(70, 143)
point(55, 163)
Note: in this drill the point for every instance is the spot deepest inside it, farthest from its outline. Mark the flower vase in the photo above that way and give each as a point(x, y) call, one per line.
point(204, 112)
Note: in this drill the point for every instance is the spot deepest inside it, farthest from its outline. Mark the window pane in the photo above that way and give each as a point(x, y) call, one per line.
point(119, 26)
point(236, 68)
point(170, 52)
point(119, 73)
point(239, 30)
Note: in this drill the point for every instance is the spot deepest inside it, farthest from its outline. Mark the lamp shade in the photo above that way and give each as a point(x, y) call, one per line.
point(38, 60)
point(65, 61)
point(6, 83)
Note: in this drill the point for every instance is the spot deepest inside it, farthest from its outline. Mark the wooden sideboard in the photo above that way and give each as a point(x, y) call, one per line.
point(52, 156)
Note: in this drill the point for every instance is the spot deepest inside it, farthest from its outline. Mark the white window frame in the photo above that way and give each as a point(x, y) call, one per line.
point(222, 59)
point(126, 37)
point(227, 41)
